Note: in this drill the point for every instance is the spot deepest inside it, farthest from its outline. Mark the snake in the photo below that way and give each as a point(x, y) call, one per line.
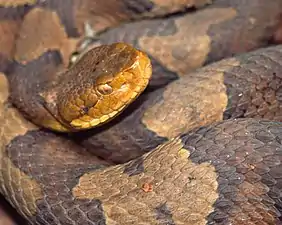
point(141, 112)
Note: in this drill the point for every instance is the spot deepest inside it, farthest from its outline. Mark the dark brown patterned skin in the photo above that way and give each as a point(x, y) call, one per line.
point(228, 172)
point(207, 36)
point(185, 42)
point(55, 26)
point(73, 16)
point(100, 15)
point(231, 169)
point(246, 154)
point(245, 86)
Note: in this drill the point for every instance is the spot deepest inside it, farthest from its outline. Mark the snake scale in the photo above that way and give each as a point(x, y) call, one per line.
point(201, 145)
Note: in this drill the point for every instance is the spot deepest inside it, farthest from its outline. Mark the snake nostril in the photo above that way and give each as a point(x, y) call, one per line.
point(85, 109)
point(124, 87)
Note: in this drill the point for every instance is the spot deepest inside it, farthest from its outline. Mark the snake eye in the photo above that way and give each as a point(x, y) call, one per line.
point(105, 89)
point(123, 86)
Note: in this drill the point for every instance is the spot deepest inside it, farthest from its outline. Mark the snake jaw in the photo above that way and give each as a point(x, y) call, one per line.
point(52, 119)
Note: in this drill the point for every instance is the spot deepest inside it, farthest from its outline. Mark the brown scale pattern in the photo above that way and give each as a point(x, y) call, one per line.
point(57, 165)
point(225, 173)
point(209, 77)
point(247, 156)
point(241, 160)
point(111, 13)
point(245, 86)
point(185, 42)
point(100, 15)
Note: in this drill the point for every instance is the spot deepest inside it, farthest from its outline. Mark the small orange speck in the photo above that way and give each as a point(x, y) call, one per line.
point(147, 187)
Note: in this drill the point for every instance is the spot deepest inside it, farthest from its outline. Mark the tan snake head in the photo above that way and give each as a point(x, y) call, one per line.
point(103, 82)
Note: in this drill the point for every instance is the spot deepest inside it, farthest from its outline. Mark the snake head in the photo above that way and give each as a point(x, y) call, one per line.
point(99, 86)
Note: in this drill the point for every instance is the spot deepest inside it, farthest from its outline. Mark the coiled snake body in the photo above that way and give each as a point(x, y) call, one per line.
point(199, 146)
